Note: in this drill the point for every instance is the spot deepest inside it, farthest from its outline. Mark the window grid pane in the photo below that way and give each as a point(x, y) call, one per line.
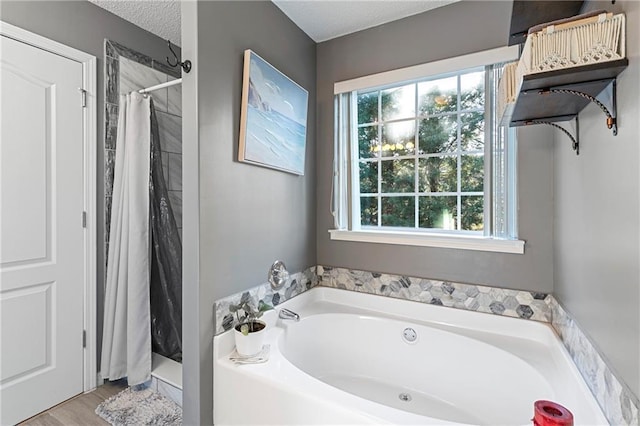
point(368, 107)
point(403, 167)
point(378, 200)
point(458, 201)
point(369, 211)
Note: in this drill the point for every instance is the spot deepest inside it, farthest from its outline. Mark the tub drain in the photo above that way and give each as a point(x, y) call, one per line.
point(404, 397)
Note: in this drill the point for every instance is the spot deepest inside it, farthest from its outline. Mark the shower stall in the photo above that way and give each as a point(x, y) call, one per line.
point(128, 71)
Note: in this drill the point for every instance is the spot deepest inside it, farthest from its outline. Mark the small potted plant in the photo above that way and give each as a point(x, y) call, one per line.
point(250, 330)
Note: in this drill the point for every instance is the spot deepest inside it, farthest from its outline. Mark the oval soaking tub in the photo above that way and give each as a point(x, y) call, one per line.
point(355, 358)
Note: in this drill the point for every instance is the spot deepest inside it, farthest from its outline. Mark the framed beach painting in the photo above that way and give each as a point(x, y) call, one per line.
point(273, 120)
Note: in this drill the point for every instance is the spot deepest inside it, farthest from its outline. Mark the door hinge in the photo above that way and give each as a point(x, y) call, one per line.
point(84, 219)
point(84, 96)
point(84, 338)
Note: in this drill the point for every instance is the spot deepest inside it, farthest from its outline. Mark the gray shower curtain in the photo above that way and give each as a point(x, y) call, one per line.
point(166, 260)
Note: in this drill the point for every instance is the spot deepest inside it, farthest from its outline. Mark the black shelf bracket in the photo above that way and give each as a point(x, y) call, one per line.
point(607, 104)
point(575, 141)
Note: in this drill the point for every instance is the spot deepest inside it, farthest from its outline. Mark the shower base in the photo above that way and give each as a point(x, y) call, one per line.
point(166, 377)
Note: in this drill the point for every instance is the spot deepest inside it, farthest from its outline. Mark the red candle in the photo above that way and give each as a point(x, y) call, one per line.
point(548, 413)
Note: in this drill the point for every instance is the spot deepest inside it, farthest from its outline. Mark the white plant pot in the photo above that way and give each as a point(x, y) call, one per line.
point(251, 344)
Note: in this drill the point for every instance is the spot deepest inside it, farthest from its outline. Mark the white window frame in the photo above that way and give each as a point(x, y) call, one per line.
point(344, 200)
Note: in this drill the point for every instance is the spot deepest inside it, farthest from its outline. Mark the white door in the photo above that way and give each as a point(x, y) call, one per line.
point(42, 236)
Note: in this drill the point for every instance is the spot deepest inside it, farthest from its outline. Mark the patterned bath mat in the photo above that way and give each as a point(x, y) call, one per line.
point(141, 407)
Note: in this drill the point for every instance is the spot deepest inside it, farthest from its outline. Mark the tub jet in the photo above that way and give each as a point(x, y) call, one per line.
point(409, 335)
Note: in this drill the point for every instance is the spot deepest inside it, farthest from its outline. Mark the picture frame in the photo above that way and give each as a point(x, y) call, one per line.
point(273, 119)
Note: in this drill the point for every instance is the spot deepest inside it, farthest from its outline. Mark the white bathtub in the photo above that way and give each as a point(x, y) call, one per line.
point(346, 362)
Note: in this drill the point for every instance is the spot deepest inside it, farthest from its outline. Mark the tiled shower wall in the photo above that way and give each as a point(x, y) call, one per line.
point(125, 71)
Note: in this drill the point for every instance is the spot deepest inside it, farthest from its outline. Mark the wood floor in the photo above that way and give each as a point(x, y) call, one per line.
point(79, 410)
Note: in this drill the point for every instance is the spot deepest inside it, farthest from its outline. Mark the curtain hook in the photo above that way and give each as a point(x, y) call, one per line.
point(186, 65)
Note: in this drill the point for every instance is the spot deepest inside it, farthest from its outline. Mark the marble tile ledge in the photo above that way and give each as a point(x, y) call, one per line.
point(618, 403)
point(492, 300)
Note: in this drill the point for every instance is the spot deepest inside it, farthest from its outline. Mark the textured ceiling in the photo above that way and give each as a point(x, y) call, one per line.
point(160, 17)
point(326, 19)
point(320, 19)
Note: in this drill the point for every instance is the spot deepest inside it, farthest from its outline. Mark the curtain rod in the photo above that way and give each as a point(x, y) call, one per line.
point(161, 86)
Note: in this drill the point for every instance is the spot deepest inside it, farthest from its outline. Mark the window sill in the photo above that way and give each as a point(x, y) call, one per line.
point(461, 242)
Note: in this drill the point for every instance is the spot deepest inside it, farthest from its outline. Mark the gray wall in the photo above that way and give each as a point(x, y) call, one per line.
point(84, 26)
point(597, 230)
point(453, 30)
point(247, 216)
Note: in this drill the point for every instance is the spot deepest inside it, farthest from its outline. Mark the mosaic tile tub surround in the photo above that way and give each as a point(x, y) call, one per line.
point(498, 301)
point(619, 405)
point(298, 283)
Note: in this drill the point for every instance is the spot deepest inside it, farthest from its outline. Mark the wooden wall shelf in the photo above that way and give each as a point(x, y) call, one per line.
point(560, 95)
point(528, 13)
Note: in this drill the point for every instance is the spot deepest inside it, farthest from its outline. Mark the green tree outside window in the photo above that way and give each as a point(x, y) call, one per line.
point(436, 157)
